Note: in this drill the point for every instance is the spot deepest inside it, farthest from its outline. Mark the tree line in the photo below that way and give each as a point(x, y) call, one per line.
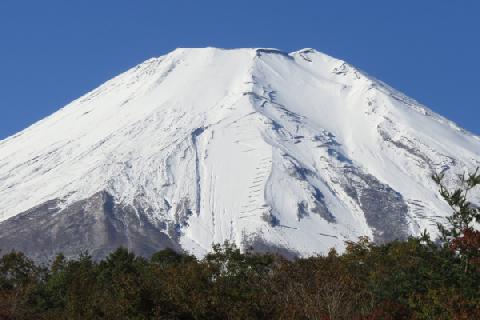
point(415, 279)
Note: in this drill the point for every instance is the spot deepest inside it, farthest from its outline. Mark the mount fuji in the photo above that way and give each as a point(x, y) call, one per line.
point(287, 152)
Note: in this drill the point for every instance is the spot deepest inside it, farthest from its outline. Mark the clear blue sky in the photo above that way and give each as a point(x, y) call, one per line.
point(53, 51)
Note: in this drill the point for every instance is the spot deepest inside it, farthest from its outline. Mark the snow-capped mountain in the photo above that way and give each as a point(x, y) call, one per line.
point(293, 152)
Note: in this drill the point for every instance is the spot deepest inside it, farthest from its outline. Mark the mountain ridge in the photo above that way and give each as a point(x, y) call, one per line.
point(298, 151)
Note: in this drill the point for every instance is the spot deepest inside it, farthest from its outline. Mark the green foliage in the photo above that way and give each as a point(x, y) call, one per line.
point(464, 214)
point(19, 277)
point(413, 279)
point(460, 234)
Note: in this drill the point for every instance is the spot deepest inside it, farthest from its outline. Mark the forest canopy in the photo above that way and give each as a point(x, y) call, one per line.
point(415, 279)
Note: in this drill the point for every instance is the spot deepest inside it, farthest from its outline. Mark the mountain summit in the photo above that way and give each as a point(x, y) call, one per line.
point(291, 152)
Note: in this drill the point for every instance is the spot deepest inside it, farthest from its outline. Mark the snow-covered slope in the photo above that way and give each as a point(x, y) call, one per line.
point(297, 152)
